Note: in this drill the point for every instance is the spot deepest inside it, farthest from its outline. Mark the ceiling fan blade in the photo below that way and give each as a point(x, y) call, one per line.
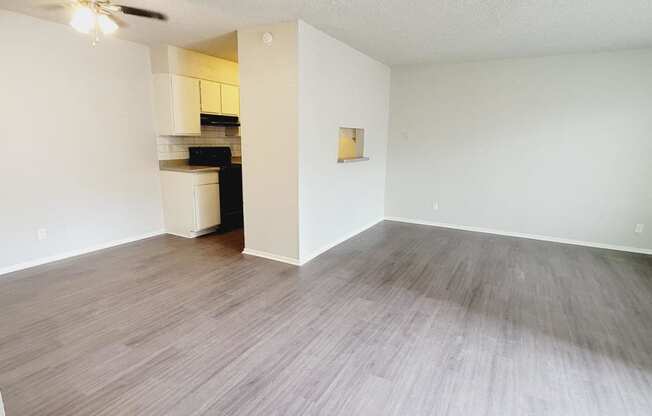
point(120, 22)
point(53, 7)
point(142, 12)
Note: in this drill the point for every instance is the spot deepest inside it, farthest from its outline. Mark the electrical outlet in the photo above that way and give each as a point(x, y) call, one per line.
point(42, 234)
point(639, 228)
point(435, 205)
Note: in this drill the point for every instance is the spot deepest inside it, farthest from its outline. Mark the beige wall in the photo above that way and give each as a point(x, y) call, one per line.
point(296, 93)
point(269, 117)
point(554, 146)
point(166, 59)
point(338, 87)
point(77, 142)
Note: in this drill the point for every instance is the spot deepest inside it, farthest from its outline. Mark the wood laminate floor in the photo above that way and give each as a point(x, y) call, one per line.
point(400, 320)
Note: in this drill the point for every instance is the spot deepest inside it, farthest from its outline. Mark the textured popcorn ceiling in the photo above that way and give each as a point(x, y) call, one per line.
point(398, 31)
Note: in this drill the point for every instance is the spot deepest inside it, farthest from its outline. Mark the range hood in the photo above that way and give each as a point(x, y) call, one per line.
point(215, 120)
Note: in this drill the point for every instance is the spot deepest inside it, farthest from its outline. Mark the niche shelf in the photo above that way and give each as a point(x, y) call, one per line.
point(351, 145)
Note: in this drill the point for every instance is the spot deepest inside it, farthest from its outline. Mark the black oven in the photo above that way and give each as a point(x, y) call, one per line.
point(230, 175)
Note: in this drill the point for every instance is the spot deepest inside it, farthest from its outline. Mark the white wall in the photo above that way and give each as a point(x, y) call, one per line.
point(76, 140)
point(555, 146)
point(338, 87)
point(269, 117)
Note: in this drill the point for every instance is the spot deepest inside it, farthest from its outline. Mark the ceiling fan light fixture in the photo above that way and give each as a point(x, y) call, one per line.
point(107, 25)
point(97, 17)
point(83, 19)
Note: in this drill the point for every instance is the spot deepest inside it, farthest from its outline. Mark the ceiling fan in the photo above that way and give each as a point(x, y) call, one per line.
point(99, 16)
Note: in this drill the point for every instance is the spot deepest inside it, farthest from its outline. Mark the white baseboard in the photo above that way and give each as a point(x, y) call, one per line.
point(301, 262)
point(85, 250)
point(192, 234)
point(522, 235)
point(340, 240)
point(270, 256)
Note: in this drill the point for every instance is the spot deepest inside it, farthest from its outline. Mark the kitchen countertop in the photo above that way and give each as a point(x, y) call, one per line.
point(181, 165)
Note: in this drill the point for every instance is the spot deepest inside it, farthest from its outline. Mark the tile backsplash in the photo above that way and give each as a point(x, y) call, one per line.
point(173, 147)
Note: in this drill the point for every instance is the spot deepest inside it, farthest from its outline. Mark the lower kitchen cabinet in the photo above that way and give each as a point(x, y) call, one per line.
point(191, 202)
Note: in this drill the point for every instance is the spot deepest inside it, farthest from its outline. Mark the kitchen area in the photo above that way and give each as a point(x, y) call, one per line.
point(196, 109)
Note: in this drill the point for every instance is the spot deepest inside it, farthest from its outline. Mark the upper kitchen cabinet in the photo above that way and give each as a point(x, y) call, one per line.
point(230, 100)
point(211, 93)
point(177, 105)
point(222, 99)
point(187, 84)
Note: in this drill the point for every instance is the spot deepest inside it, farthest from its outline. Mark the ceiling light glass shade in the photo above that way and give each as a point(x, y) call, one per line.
point(83, 19)
point(107, 25)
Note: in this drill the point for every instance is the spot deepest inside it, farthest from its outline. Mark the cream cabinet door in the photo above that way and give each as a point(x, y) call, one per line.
point(211, 101)
point(230, 100)
point(207, 206)
point(185, 106)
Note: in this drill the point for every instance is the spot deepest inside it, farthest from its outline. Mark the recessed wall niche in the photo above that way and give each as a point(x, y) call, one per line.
point(351, 145)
